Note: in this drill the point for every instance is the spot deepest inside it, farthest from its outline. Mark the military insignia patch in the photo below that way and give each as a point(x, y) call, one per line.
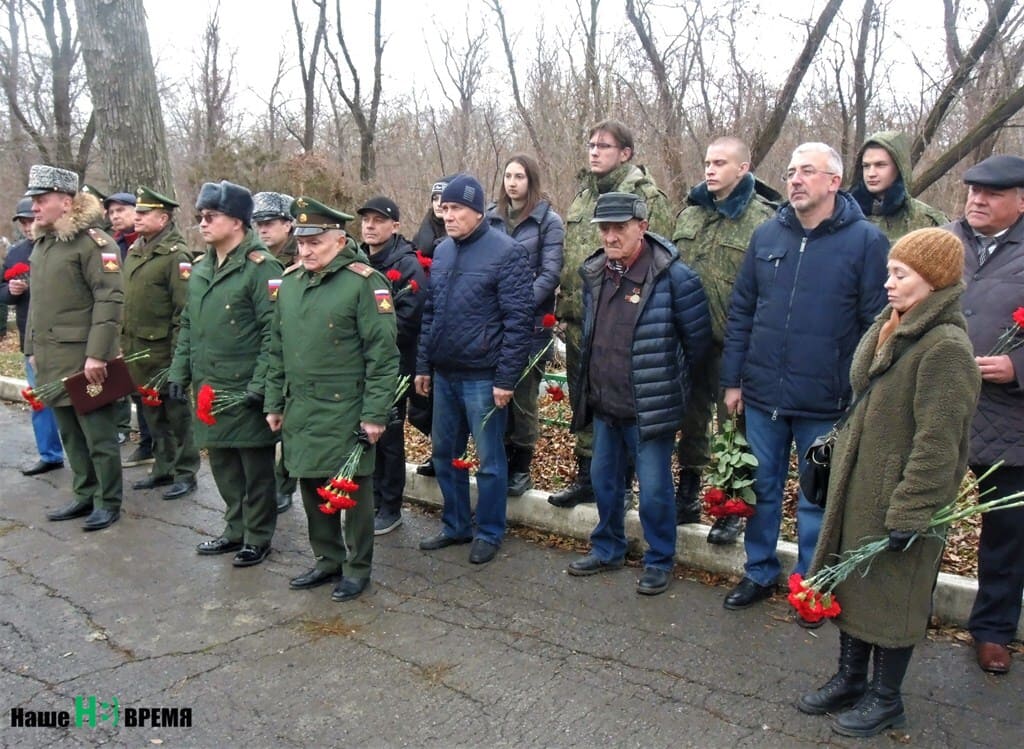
point(184, 271)
point(273, 287)
point(111, 262)
point(96, 237)
point(384, 304)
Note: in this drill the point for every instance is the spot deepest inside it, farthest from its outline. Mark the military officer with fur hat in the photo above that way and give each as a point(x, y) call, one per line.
point(332, 379)
point(223, 345)
point(73, 324)
point(272, 215)
point(156, 273)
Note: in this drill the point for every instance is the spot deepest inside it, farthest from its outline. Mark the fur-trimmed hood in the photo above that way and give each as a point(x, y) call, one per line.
point(86, 212)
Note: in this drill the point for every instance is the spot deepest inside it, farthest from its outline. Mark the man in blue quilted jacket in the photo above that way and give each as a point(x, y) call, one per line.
point(646, 331)
point(474, 346)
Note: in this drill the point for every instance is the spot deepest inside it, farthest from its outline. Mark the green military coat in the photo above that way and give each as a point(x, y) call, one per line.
point(156, 274)
point(900, 457)
point(224, 338)
point(77, 295)
point(713, 244)
point(333, 362)
point(581, 237)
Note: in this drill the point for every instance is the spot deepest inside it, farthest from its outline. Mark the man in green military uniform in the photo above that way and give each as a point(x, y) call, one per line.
point(224, 345)
point(610, 150)
point(712, 234)
point(332, 379)
point(156, 272)
point(879, 184)
point(73, 325)
point(272, 216)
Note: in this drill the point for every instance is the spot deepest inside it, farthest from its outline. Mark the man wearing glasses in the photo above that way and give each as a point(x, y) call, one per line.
point(810, 285)
point(610, 150)
point(224, 343)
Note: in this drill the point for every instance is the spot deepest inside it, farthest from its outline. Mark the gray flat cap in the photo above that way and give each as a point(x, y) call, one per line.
point(270, 205)
point(618, 207)
point(999, 172)
point(43, 178)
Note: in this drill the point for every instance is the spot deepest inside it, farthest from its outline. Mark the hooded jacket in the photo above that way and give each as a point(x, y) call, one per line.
point(398, 255)
point(896, 213)
point(77, 295)
point(800, 305)
point(670, 339)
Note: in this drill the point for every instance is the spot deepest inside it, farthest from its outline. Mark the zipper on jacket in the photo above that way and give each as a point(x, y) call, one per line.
point(789, 312)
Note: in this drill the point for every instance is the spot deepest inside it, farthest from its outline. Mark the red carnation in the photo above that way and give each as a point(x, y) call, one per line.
point(327, 509)
point(1018, 316)
point(425, 262)
point(548, 321)
point(18, 269)
point(556, 393)
point(462, 465)
point(393, 275)
point(414, 286)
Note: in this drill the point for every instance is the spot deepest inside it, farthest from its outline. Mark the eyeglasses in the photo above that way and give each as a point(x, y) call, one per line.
point(600, 146)
point(805, 171)
point(207, 216)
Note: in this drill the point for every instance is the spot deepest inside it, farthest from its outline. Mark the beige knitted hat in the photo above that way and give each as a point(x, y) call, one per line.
point(935, 254)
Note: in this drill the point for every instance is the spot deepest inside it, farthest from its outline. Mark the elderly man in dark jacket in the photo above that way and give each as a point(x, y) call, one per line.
point(474, 345)
point(992, 231)
point(646, 330)
point(809, 287)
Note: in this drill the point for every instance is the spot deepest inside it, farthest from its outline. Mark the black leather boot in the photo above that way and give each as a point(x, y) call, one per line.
point(725, 531)
point(687, 499)
point(578, 492)
point(847, 685)
point(519, 481)
point(881, 707)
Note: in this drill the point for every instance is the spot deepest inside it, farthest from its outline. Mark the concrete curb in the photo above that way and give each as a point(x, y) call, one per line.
point(953, 598)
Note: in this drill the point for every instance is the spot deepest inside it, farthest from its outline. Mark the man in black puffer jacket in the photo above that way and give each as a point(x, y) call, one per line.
point(646, 330)
point(474, 345)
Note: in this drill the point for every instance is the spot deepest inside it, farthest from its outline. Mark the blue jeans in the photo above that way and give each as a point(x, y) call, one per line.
point(613, 446)
point(771, 441)
point(459, 409)
point(45, 427)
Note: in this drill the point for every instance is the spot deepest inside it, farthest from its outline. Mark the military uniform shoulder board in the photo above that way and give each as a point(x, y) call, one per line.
point(292, 267)
point(97, 237)
point(362, 269)
point(198, 259)
point(256, 256)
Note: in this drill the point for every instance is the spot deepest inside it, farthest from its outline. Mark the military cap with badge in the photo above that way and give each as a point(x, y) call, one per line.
point(147, 200)
point(313, 217)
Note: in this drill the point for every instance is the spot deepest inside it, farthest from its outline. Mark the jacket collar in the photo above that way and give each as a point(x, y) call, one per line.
point(85, 212)
point(941, 307)
point(892, 199)
point(733, 206)
point(474, 235)
point(846, 212)
point(663, 254)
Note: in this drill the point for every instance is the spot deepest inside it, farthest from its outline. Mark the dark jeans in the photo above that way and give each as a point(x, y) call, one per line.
point(389, 468)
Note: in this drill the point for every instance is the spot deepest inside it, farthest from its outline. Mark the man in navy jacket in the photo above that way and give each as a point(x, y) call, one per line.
point(474, 345)
point(810, 285)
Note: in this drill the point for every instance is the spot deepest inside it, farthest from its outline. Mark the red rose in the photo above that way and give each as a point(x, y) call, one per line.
point(714, 496)
point(1018, 316)
point(556, 393)
point(738, 508)
point(548, 321)
point(393, 275)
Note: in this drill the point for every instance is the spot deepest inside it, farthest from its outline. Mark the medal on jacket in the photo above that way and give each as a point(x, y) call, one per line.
point(634, 298)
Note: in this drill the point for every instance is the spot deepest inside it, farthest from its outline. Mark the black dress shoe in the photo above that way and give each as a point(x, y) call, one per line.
point(250, 555)
point(349, 588)
point(180, 489)
point(151, 482)
point(312, 579)
point(219, 545)
point(440, 541)
point(652, 582)
point(426, 468)
point(41, 467)
point(284, 501)
point(726, 530)
point(747, 593)
point(591, 565)
point(70, 511)
point(481, 552)
point(100, 518)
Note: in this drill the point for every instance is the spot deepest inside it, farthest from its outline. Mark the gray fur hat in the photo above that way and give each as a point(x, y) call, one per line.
point(228, 198)
point(43, 178)
point(271, 205)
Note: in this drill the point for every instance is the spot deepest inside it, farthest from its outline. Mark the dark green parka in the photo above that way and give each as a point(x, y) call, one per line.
point(333, 362)
point(900, 457)
point(156, 273)
point(77, 295)
point(224, 339)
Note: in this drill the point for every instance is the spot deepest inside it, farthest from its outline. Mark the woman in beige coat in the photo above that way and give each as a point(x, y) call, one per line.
point(900, 457)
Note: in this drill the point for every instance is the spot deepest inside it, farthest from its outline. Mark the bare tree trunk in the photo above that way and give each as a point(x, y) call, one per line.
point(766, 135)
point(860, 85)
point(122, 83)
point(308, 68)
point(524, 113)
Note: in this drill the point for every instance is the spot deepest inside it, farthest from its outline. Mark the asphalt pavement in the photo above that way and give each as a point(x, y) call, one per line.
point(438, 653)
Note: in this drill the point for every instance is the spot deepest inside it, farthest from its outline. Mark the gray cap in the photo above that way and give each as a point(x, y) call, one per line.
point(24, 209)
point(43, 178)
point(618, 207)
point(998, 172)
point(271, 205)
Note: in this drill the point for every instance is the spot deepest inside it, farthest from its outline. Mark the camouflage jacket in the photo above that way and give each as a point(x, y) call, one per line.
point(581, 239)
point(712, 238)
point(895, 212)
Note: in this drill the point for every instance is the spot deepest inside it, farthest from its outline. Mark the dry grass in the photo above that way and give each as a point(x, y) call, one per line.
point(333, 627)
